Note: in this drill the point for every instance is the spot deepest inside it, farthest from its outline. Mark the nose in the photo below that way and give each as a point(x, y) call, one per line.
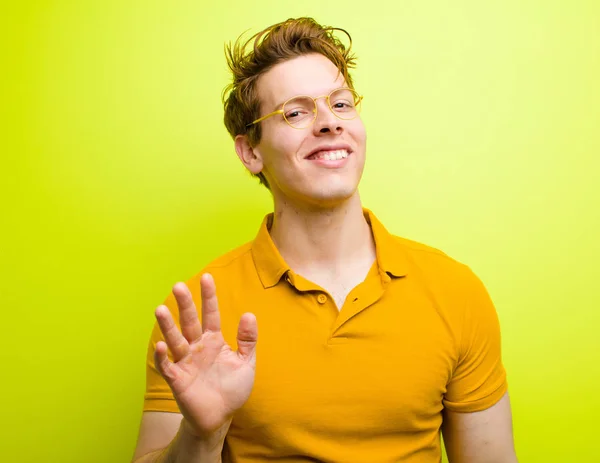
point(326, 121)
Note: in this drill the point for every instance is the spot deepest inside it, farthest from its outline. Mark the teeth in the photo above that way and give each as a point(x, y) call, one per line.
point(332, 155)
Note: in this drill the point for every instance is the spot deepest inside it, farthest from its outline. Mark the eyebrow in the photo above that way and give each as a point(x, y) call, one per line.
point(280, 105)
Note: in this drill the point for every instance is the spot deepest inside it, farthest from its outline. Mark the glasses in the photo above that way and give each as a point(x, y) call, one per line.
point(301, 111)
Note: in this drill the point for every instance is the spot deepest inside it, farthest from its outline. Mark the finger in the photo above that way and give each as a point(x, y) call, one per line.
point(211, 320)
point(166, 368)
point(247, 336)
point(177, 344)
point(188, 315)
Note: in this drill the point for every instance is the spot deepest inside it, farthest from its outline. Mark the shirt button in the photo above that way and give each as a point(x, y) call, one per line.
point(322, 298)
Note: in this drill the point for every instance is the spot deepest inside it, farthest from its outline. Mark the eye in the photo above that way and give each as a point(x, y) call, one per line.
point(298, 109)
point(296, 114)
point(292, 114)
point(342, 105)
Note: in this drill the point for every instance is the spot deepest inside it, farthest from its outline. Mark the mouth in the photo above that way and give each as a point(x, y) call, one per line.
point(329, 154)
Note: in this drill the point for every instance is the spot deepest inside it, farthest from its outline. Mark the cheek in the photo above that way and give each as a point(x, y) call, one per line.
point(282, 147)
point(360, 131)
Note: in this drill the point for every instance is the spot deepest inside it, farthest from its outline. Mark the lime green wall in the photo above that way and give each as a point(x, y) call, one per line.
point(118, 179)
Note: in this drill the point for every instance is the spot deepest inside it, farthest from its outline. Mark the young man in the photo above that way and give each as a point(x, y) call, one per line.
point(370, 344)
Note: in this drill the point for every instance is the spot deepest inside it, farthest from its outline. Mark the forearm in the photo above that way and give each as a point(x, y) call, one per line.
point(187, 448)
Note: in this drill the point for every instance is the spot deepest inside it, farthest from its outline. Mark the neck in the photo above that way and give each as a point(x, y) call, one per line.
point(322, 238)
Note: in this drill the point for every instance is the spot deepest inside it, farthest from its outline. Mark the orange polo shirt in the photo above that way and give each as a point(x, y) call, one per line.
point(367, 383)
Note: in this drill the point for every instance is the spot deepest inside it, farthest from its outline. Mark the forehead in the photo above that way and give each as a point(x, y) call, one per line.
point(312, 75)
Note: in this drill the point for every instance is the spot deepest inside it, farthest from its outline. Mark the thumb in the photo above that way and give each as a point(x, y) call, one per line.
point(247, 336)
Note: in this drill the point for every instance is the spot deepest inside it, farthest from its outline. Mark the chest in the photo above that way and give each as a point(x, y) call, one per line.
point(339, 284)
point(386, 368)
point(338, 290)
point(374, 372)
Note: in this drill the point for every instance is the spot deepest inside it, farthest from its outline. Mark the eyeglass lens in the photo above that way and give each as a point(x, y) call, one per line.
point(301, 111)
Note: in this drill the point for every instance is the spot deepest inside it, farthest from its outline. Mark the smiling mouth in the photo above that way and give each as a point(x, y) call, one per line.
point(329, 155)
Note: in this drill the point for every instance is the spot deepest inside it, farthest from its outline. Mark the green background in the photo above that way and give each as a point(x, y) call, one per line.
point(119, 179)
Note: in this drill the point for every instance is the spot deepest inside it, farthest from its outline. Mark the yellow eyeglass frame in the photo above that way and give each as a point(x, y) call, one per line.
point(281, 111)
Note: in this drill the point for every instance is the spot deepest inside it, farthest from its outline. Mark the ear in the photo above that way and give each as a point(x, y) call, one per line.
point(249, 156)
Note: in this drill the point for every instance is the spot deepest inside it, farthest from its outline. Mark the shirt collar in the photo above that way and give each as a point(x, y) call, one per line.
point(391, 254)
point(267, 260)
point(270, 265)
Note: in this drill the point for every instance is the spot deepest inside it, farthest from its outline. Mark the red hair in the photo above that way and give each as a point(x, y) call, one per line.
point(273, 45)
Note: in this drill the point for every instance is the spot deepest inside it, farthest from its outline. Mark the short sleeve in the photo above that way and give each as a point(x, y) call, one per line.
point(479, 378)
point(158, 396)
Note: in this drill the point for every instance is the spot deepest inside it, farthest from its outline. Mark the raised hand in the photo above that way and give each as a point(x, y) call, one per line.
point(209, 380)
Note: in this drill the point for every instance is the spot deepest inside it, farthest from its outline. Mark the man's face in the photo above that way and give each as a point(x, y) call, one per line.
point(294, 161)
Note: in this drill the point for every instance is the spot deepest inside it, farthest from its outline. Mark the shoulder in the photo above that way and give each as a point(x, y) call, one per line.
point(434, 269)
point(232, 258)
point(420, 249)
point(229, 263)
point(424, 256)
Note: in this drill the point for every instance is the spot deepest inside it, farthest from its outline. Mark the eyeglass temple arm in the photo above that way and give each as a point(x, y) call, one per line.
point(279, 111)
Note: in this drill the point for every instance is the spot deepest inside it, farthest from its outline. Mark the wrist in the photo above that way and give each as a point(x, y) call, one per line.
point(211, 440)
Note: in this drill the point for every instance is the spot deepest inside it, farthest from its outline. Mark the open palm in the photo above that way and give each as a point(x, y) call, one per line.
point(209, 380)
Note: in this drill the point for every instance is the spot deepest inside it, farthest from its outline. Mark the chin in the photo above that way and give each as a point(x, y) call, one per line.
point(324, 192)
point(331, 196)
